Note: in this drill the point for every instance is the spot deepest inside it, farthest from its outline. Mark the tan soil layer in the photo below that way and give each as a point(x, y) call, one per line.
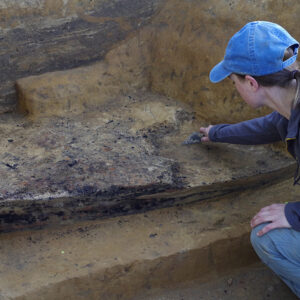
point(121, 257)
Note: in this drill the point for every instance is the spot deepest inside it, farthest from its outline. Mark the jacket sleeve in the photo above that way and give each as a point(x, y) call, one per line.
point(292, 213)
point(257, 131)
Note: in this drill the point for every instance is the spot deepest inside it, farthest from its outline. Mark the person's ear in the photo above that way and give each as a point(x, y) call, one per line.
point(253, 84)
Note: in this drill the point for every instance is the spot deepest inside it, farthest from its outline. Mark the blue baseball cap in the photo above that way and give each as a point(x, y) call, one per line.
point(257, 49)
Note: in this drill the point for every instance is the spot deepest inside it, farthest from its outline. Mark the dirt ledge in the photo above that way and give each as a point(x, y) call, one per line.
point(121, 257)
point(124, 159)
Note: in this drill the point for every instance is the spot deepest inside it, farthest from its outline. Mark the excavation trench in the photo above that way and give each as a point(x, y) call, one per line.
point(171, 213)
point(105, 139)
point(99, 198)
point(98, 143)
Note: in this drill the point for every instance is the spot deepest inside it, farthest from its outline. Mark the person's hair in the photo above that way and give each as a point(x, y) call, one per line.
point(282, 78)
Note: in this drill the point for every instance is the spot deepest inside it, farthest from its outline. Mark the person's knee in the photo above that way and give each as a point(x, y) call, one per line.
point(254, 238)
point(262, 245)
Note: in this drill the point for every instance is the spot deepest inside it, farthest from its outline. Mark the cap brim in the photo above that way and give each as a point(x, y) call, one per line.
point(218, 73)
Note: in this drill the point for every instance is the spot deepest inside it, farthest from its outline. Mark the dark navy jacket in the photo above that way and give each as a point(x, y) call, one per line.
point(268, 129)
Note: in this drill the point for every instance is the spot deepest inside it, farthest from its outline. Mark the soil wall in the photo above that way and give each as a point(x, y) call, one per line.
point(184, 40)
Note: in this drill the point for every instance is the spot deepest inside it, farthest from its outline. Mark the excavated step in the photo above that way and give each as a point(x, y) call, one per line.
point(126, 158)
point(96, 142)
point(129, 256)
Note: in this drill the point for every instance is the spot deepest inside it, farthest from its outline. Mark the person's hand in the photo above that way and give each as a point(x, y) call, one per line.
point(205, 131)
point(273, 213)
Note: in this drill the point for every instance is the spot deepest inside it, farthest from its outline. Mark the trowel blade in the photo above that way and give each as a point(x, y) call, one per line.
point(194, 138)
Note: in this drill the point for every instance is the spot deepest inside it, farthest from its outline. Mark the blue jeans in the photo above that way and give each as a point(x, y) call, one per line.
point(279, 249)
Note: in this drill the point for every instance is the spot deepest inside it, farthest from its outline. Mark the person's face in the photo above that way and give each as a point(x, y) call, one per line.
point(247, 89)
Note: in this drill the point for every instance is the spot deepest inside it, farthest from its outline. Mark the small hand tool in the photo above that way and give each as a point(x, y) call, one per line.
point(194, 138)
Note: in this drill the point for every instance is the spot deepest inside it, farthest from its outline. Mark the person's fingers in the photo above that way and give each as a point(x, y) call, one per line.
point(267, 228)
point(268, 214)
point(271, 207)
point(204, 139)
point(274, 214)
point(261, 218)
point(203, 130)
point(266, 209)
point(262, 213)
